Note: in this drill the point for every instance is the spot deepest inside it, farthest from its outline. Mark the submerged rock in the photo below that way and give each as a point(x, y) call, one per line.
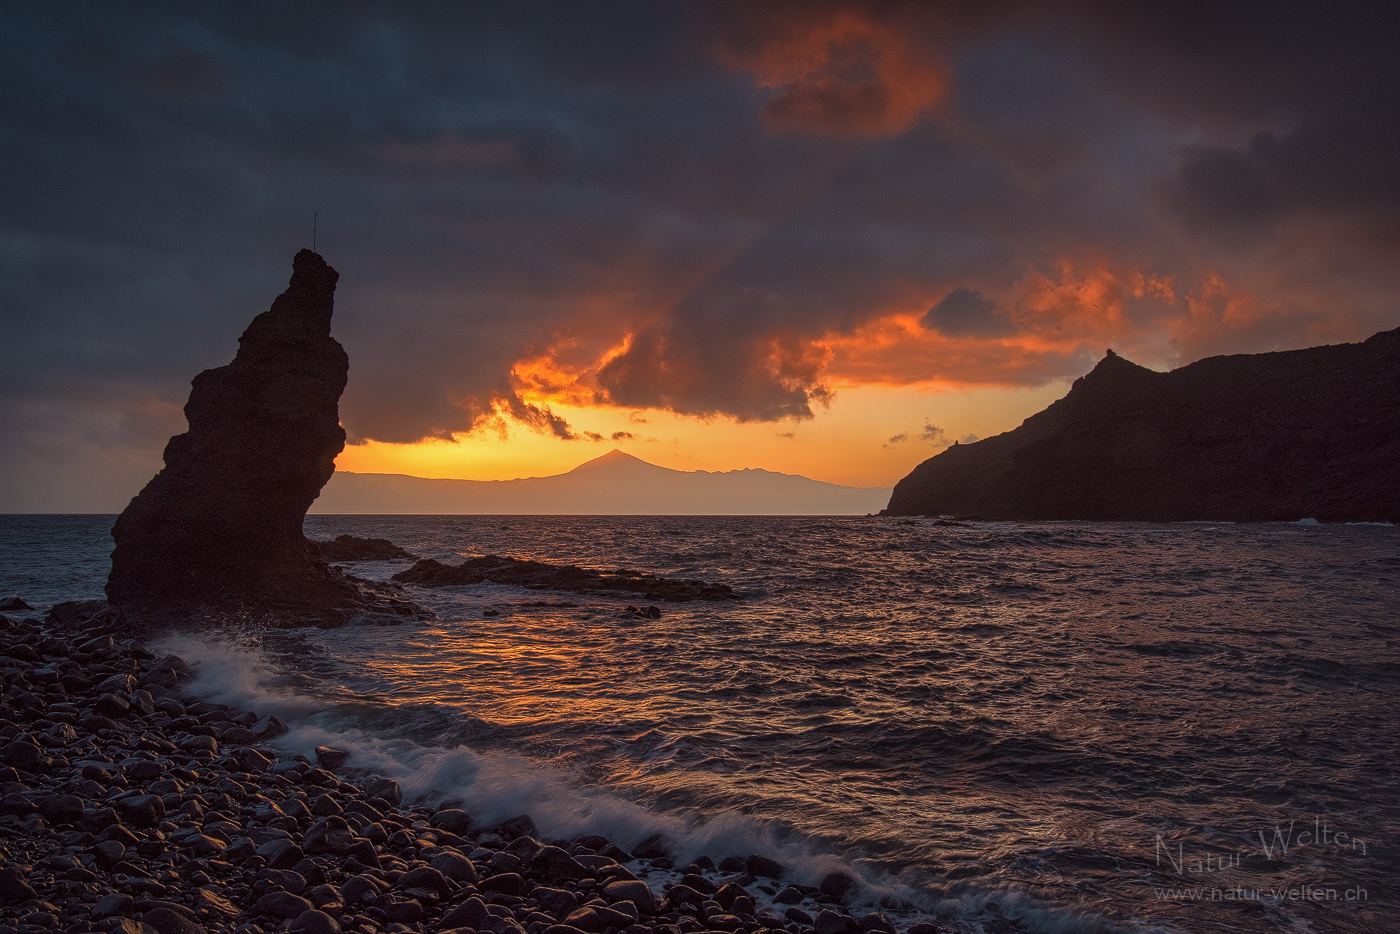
point(220, 527)
point(537, 575)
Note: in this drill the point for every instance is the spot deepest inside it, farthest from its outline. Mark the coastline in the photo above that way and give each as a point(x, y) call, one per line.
point(130, 807)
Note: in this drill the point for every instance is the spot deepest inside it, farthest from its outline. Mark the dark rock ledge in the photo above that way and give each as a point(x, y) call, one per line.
point(130, 807)
point(536, 575)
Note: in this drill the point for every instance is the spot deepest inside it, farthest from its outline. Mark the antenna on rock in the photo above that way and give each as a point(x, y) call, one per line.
point(314, 215)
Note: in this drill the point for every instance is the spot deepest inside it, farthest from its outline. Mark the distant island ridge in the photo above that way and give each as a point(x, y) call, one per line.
point(1271, 437)
point(614, 484)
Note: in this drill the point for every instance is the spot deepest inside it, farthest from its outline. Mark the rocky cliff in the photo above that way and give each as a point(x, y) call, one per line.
point(1309, 433)
point(220, 527)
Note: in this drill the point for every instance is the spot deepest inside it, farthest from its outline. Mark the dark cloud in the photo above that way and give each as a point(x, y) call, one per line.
point(967, 313)
point(896, 439)
point(933, 434)
point(709, 208)
point(625, 436)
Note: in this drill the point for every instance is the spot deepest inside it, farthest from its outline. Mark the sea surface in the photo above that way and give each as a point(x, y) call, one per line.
point(1046, 727)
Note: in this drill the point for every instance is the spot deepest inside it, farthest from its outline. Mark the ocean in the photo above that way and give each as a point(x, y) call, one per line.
point(1046, 727)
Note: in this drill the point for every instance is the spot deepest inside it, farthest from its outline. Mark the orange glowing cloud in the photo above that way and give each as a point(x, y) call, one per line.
point(840, 72)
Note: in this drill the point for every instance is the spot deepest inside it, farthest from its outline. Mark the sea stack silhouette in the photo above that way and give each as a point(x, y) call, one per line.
point(219, 530)
point(1272, 437)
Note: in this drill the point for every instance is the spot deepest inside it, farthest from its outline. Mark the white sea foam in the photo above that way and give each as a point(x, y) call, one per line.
point(495, 786)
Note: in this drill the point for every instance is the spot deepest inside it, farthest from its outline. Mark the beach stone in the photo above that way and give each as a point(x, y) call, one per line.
point(563, 929)
point(128, 926)
point(837, 884)
point(16, 803)
point(116, 684)
point(636, 892)
point(789, 896)
point(453, 820)
point(405, 911)
point(109, 852)
point(239, 736)
point(763, 867)
point(357, 888)
point(24, 754)
point(557, 902)
point(314, 922)
point(269, 727)
point(385, 788)
point(325, 806)
point(455, 867)
point(282, 905)
point(733, 864)
point(330, 758)
point(507, 883)
point(924, 927)
point(143, 702)
point(205, 900)
point(250, 760)
point(331, 834)
point(554, 864)
point(14, 887)
point(522, 825)
point(832, 922)
point(425, 877)
point(116, 904)
point(280, 854)
point(60, 809)
point(110, 705)
point(654, 847)
point(144, 771)
point(170, 921)
point(798, 916)
point(141, 810)
point(877, 923)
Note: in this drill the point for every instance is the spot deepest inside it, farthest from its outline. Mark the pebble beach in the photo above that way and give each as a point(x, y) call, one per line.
point(131, 807)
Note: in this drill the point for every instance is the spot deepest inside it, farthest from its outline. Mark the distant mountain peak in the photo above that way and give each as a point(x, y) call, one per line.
point(614, 458)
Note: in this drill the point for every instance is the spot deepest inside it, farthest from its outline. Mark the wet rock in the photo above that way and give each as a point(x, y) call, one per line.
point(733, 864)
point(282, 905)
point(143, 702)
point(520, 826)
point(385, 788)
point(331, 834)
point(789, 896)
point(405, 911)
point(325, 806)
point(14, 887)
point(426, 877)
point(654, 847)
point(466, 915)
point(24, 754)
point(13, 603)
point(115, 905)
point(453, 820)
point(507, 883)
point(831, 922)
point(763, 867)
point(798, 916)
point(554, 864)
point(638, 893)
point(924, 927)
point(877, 923)
point(537, 575)
point(269, 727)
point(280, 854)
point(329, 758)
point(837, 884)
point(109, 852)
point(558, 902)
point(359, 888)
point(455, 867)
point(141, 810)
point(170, 921)
point(314, 922)
point(61, 809)
point(129, 926)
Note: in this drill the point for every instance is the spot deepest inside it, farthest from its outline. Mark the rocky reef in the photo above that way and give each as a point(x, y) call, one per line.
point(1268, 437)
point(219, 529)
point(536, 575)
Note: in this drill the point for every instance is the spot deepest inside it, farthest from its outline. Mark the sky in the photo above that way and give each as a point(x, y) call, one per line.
point(826, 238)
